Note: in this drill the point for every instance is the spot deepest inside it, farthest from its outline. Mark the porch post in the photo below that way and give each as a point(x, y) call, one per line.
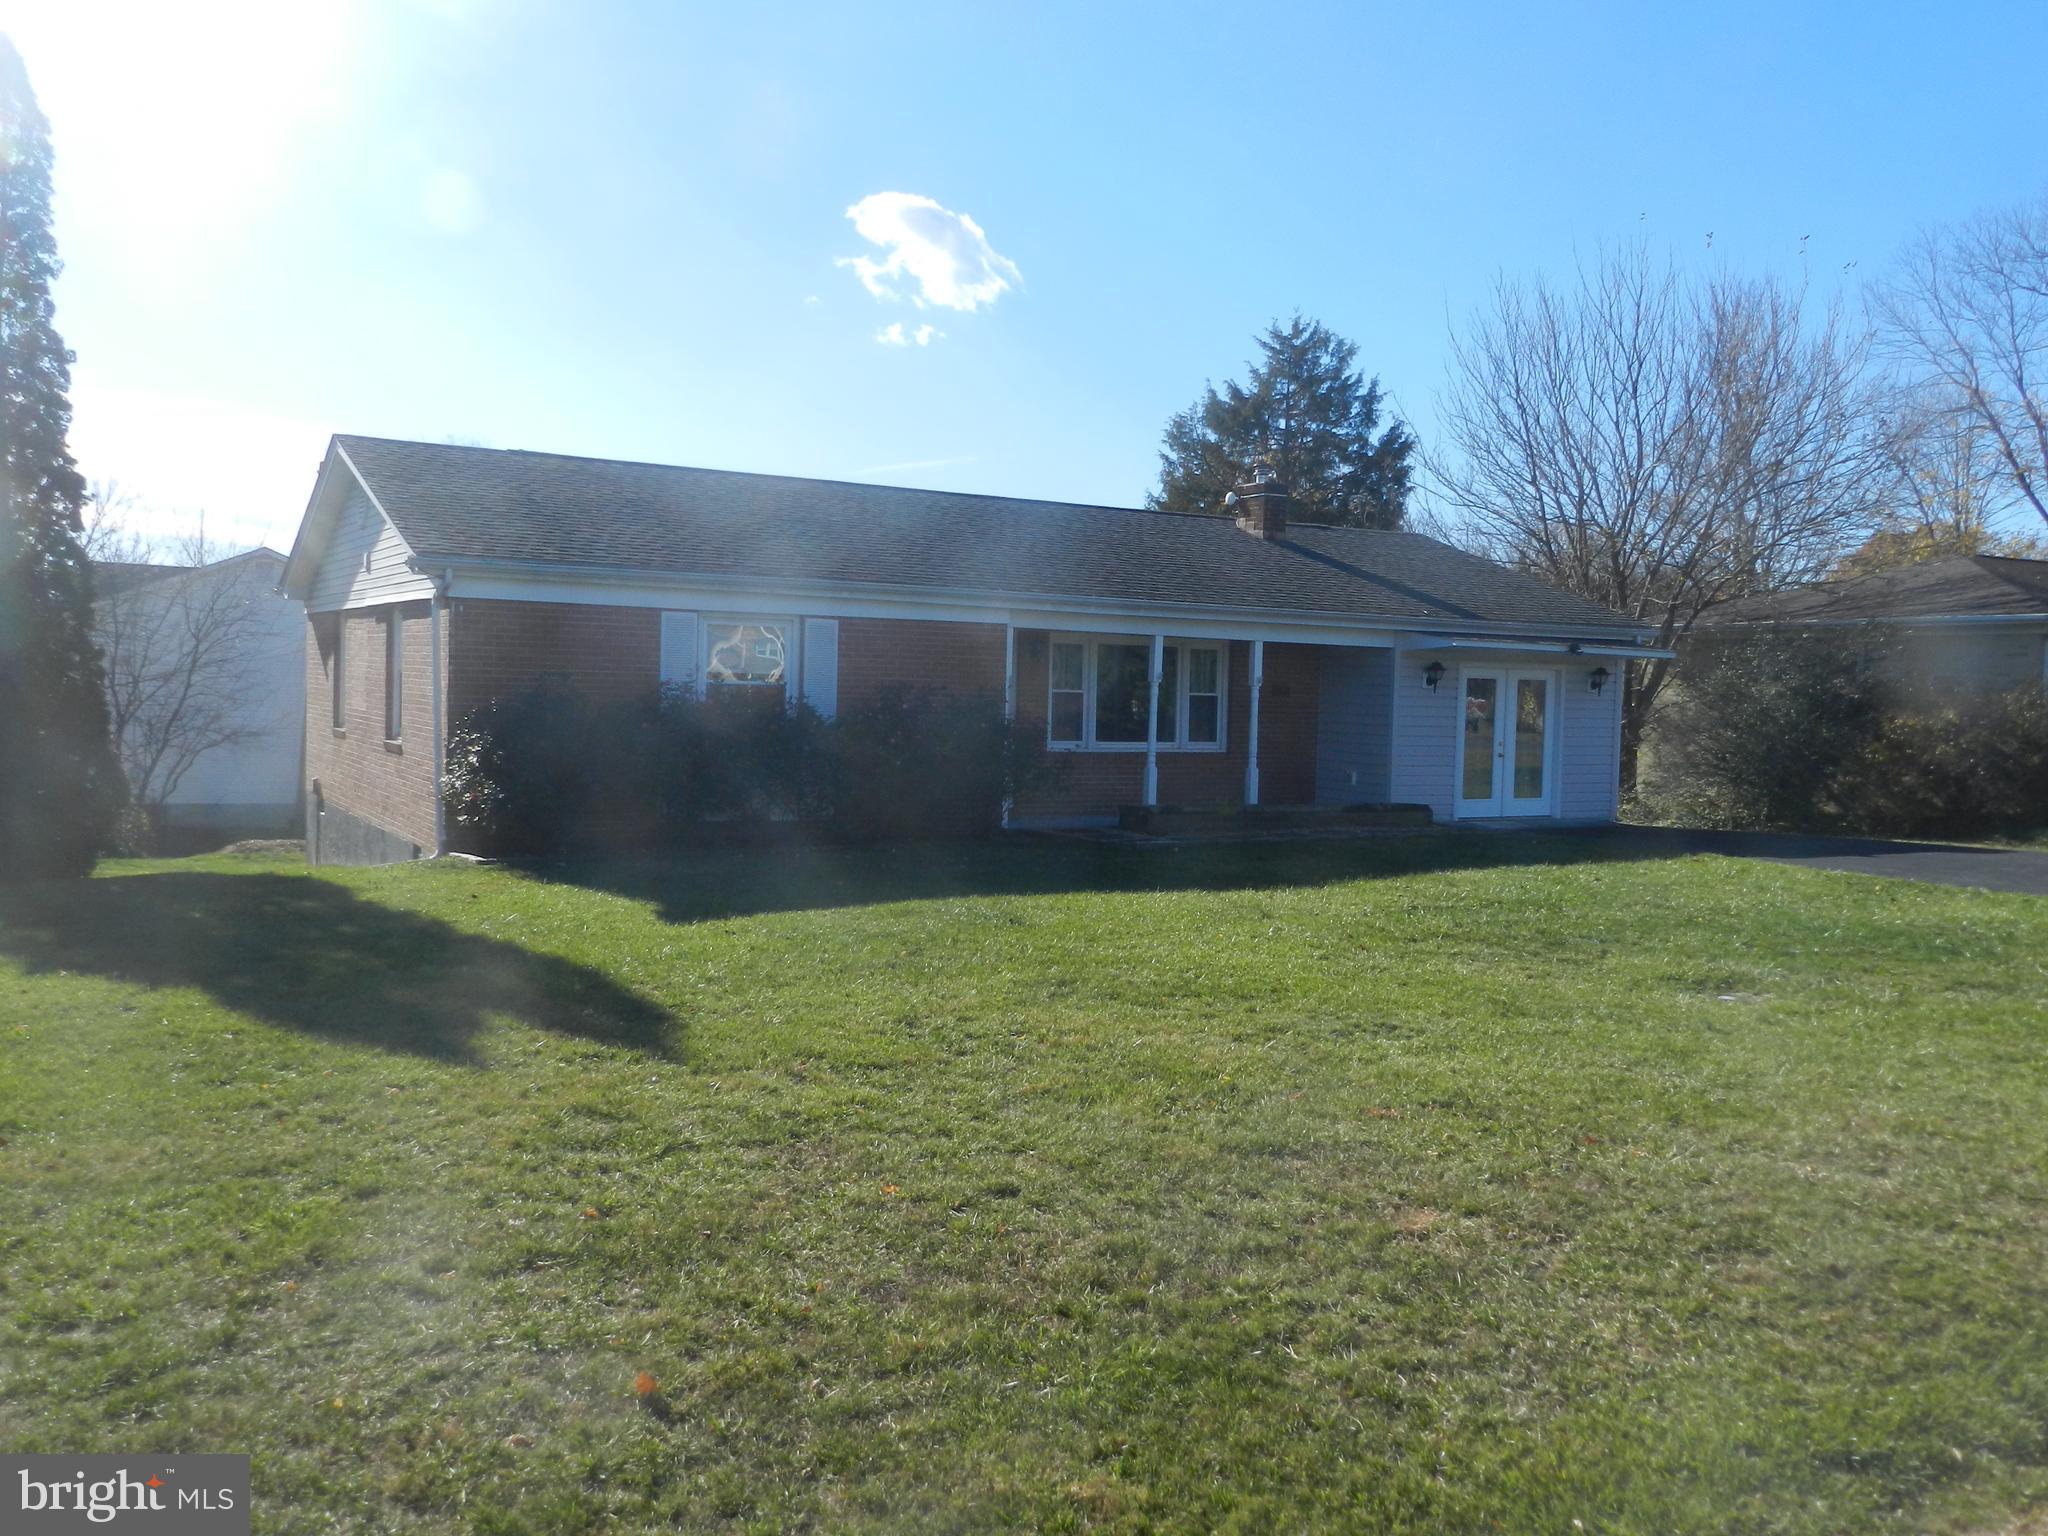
point(1009, 671)
point(1251, 751)
point(1152, 722)
point(1009, 694)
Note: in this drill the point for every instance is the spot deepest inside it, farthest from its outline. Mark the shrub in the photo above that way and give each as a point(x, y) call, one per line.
point(1757, 730)
point(1796, 732)
point(545, 771)
point(912, 764)
point(520, 772)
point(1975, 767)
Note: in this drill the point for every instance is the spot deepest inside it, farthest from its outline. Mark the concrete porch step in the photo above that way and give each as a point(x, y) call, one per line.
point(1184, 820)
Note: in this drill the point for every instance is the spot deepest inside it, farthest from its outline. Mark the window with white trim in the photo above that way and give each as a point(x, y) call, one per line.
point(1067, 694)
point(749, 653)
point(1098, 695)
point(338, 677)
point(394, 675)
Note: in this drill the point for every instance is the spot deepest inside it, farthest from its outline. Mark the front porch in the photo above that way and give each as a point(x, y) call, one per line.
point(1470, 729)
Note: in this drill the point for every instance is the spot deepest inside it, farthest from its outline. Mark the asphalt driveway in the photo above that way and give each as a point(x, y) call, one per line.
point(1990, 869)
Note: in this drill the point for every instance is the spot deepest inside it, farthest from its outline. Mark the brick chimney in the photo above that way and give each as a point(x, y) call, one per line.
point(1261, 502)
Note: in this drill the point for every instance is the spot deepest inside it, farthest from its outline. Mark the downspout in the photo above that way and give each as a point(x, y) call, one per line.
point(441, 584)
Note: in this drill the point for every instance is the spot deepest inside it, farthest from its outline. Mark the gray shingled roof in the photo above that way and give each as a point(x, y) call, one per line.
point(480, 504)
point(1957, 586)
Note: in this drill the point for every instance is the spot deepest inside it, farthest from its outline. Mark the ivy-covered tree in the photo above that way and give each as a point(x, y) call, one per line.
point(60, 784)
point(1313, 414)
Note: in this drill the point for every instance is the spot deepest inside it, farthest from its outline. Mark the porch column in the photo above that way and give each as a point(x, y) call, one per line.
point(1009, 671)
point(1251, 747)
point(1152, 722)
point(1009, 694)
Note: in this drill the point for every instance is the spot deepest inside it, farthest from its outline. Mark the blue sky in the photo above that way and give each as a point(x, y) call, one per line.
point(622, 229)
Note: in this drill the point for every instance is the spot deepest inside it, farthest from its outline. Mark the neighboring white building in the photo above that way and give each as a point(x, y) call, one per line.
point(219, 643)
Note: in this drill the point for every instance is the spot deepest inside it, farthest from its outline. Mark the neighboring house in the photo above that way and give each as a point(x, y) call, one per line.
point(1297, 664)
point(206, 681)
point(1963, 623)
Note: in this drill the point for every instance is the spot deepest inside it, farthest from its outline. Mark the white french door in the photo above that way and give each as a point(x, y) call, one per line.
point(1507, 726)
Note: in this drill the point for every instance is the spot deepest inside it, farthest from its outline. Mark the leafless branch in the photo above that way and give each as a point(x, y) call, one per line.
point(177, 650)
point(1967, 315)
point(1658, 448)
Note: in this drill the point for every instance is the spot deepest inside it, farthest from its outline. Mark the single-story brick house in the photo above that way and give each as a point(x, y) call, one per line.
point(1959, 624)
point(1179, 659)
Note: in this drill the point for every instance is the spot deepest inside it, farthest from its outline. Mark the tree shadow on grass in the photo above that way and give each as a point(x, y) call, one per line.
point(309, 955)
point(714, 884)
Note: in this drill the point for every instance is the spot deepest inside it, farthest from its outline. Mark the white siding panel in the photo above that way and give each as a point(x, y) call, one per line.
point(1425, 733)
point(1425, 754)
point(679, 649)
point(821, 665)
point(364, 564)
point(1589, 769)
point(1354, 726)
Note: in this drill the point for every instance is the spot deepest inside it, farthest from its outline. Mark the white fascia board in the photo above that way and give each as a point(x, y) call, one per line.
point(512, 582)
point(425, 588)
point(1557, 647)
point(1925, 621)
point(296, 580)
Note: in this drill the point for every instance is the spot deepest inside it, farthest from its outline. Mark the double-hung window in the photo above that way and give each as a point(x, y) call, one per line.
point(1098, 695)
point(1067, 700)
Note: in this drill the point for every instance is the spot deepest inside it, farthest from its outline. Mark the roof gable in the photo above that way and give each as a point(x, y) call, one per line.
point(348, 552)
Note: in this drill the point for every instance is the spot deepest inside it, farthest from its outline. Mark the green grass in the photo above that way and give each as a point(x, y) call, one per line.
point(1452, 1184)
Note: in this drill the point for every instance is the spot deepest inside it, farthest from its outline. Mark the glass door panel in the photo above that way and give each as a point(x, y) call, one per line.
point(1482, 708)
point(1532, 740)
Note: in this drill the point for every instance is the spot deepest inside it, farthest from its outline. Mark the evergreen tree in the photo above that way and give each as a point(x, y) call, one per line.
point(1313, 414)
point(60, 785)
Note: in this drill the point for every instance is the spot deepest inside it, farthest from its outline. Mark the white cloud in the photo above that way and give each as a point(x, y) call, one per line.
point(893, 335)
point(936, 257)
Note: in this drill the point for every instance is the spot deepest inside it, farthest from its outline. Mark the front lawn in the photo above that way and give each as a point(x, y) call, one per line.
point(1450, 1184)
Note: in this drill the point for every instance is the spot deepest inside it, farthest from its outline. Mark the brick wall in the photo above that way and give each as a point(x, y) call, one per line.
point(1096, 784)
point(496, 648)
point(877, 654)
point(389, 784)
point(500, 648)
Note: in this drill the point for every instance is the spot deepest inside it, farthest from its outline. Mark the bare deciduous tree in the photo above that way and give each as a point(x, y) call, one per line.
point(1967, 313)
point(177, 646)
point(1657, 448)
point(1949, 491)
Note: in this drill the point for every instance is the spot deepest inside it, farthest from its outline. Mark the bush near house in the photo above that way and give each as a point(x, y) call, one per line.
point(1807, 735)
point(1977, 767)
point(546, 770)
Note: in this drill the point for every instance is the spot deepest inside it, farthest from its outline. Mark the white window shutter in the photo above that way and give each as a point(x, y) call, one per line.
point(821, 665)
point(679, 649)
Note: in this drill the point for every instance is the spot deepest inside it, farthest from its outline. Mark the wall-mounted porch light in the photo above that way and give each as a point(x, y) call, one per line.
point(1598, 679)
point(1433, 674)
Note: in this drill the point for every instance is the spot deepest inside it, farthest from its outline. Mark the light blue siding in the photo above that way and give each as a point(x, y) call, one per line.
point(1425, 749)
point(1354, 726)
